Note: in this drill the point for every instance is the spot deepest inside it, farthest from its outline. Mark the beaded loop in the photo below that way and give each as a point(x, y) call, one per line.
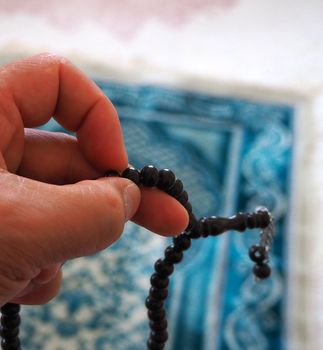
point(166, 181)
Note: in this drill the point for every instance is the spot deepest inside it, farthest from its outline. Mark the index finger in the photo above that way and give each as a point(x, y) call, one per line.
point(47, 85)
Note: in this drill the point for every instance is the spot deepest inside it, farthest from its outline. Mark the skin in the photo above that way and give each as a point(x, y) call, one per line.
point(54, 204)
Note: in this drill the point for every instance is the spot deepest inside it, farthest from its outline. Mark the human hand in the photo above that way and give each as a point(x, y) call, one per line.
point(54, 204)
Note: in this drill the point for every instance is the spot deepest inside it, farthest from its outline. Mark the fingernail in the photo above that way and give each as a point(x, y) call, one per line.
point(131, 197)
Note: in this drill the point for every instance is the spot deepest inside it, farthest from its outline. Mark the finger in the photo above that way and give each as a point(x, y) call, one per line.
point(47, 85)
point(37, 294)
point(160, 213)
point(54, 158)
point(56, 223)
point(46, 274)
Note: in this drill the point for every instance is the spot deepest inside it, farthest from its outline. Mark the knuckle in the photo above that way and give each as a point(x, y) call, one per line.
point(106, 219)
point(15, 273)
point(114, 218)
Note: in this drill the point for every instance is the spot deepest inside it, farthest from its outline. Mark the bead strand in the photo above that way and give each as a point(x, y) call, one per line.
point(10, 321)
point(158, 292)
point(166, 181)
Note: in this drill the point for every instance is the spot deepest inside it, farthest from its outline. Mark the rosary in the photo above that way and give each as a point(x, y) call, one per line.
point(166, 181)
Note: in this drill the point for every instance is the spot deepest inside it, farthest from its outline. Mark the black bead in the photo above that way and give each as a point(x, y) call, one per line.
point(182, 242)
point(163, 268)
point(188, 207)
point(176, 189)
point(156, 315)
point(197, 230)
point(261, 271)
point(159, 336)
point(152, 345)
point(111, 173)
point(152, 304)
point(149, 176)
point(10, 344)
point(132, 174)
point(258, 253)
point(172, 255)
point(158, 294)
point(9, 332)
point(158, 325)
point(10, 308)
point(192, 222)
point(182, 197)
point(158, 281)
point(166, 179)
point(9, 321)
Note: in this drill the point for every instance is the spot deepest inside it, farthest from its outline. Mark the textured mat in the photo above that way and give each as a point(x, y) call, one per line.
point(232, 155)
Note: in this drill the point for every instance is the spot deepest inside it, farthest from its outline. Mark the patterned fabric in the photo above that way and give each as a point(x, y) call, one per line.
point(232, 155)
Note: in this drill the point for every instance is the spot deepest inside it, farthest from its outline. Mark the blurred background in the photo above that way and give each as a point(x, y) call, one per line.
point(229, 94)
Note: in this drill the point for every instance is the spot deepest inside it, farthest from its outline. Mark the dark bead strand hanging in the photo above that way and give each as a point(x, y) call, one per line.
point(10, 321)
point(165, 180)
point(159, 291)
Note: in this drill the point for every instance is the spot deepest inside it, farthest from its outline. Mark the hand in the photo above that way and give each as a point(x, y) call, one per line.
point(54, 204)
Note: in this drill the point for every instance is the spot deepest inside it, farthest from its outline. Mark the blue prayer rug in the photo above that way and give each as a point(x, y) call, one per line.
point(232, 155)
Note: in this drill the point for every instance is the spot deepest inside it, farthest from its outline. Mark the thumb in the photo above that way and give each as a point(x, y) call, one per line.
point(55, 223)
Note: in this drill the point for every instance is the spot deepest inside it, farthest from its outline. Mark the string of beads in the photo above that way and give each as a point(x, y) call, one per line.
point(165, 180)
point(10, 321)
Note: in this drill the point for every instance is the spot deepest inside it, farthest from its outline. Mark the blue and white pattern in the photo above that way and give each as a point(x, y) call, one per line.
point(232, 155)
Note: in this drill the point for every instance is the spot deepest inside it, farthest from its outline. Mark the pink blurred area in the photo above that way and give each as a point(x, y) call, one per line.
point(123, 18)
